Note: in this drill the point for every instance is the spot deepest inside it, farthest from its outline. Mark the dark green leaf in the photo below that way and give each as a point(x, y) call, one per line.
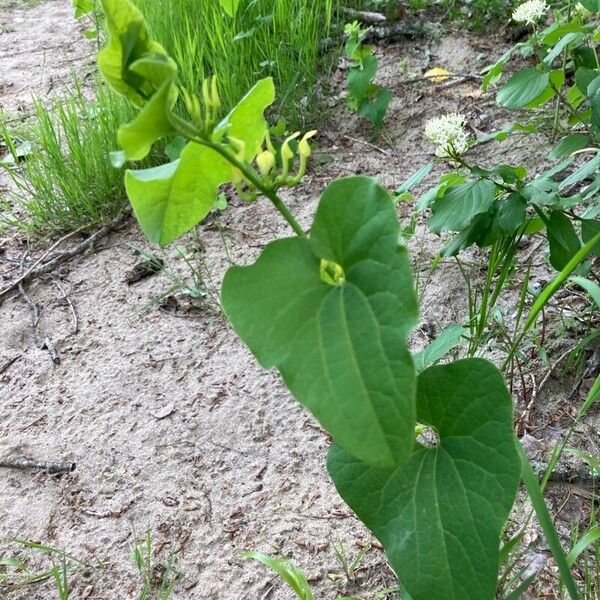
point(568, 145)
point(375, 107)
point(567, 39)
point(583, 78)
point(341, 349)
point(457, 207)
point(592, 5)
point(563, 240)
point(415, 179)
point(511, 213)
point(359, 78)
point(589, 229)
point(440, 515)
point(582, 173)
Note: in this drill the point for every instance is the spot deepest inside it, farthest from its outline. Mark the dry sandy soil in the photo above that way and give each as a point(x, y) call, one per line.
point(172, 424)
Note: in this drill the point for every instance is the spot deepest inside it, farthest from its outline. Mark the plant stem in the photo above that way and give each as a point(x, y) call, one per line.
point(194, 135)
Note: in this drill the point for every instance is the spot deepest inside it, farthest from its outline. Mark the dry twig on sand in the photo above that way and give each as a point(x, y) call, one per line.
point(38, 269)
point(30, 464)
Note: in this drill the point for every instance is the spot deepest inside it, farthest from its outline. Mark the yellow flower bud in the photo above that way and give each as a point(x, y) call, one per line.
point(206, 93)
point(286, 151)
point(215, 98)
point(265, 161)
point(304, 149)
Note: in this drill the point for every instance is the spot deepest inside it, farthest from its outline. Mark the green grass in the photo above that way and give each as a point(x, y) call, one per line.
point(280, 39)
point(65, 181)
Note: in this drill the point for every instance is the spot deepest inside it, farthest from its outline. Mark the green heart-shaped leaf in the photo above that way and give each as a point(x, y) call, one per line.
point(439, 516)
point(340, 346)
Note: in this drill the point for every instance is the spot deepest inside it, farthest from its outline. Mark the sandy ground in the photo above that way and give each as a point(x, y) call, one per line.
point(172, 424)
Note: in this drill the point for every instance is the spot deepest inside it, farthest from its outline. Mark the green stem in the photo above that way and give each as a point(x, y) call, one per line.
point(545, 520)
point(194, 135)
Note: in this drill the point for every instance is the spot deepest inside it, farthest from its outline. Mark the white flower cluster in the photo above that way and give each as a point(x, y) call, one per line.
point(449, 134)
point(529, 12)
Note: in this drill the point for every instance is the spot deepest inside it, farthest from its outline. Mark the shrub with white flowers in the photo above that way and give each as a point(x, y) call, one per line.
point(530, 12)
point(449, 135)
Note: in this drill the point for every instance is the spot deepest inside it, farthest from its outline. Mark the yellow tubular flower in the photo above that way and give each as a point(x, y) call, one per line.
point(216, 99)
point(192, 105)
point(304, 149)
point(265, 161)
point(287, 154)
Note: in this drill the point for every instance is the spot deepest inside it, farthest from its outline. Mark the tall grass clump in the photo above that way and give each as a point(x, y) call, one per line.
point(66, 181)
point(280, 39)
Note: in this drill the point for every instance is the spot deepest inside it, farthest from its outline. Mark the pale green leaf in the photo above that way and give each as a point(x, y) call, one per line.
point(569, 144)
point(132, 63)
point(591, 287)
point(288, 572)
point(171, 202)
point(151, 124)
point(230, 6)
point(341, 349)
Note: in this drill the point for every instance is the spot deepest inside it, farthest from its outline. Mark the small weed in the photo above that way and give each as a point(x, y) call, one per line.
point(158, 577)
point(16, 571)
point(350, 565)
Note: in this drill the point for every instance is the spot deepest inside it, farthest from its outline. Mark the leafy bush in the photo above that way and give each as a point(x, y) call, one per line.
point(365, 97)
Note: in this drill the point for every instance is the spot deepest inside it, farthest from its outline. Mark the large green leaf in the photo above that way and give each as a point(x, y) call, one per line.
point(132, 63)
point(164, 209)
point(170, 202)
point(439, 516)
point(523, 88)
point(341, 349)
point(151, 124)
point(460, 204)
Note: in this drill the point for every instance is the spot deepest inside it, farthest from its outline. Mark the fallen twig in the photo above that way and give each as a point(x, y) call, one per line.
point(49, 266)
point(9, 363)
point(24, 276)
point(37, 465)
point(75, 318)
point(364, 16)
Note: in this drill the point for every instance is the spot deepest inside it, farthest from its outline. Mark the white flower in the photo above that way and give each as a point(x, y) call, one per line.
point(449, 134)
point(529, 12)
